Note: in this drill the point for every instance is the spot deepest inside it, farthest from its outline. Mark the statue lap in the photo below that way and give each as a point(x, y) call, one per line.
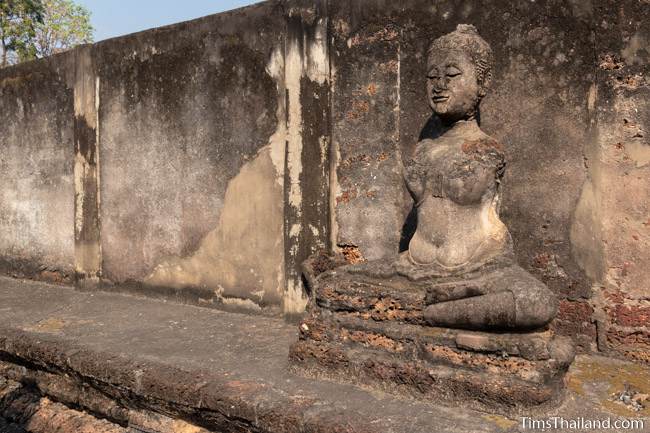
point(376, 329)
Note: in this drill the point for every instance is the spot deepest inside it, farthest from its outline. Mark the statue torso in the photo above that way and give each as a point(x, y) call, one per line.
point(454, 180)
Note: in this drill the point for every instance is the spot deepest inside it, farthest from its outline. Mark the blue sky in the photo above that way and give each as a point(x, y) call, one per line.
point(112, 18)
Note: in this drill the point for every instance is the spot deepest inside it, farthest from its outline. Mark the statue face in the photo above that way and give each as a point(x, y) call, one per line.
point(452, 85)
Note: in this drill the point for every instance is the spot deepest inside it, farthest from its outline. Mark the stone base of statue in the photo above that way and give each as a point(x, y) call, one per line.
point(374, 333)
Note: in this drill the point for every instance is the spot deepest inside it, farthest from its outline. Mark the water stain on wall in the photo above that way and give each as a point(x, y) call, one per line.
point(240, 257)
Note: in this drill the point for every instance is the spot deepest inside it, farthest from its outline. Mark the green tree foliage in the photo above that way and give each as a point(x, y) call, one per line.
point(18, 21)
point(39, 28)
point(65, 25)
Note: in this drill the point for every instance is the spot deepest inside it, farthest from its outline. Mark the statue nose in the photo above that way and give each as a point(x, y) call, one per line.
point(440, 84)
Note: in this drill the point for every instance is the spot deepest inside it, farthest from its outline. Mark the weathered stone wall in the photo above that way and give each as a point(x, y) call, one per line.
point(190, 161)
point(36, 162)
point(191, 178)
point(212, 157)
point(619, 179)
point(203, 143)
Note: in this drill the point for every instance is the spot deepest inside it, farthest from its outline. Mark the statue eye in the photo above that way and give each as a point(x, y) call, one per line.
point(452, 71)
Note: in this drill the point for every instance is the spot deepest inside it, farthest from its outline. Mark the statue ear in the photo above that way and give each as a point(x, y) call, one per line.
point(484, 84)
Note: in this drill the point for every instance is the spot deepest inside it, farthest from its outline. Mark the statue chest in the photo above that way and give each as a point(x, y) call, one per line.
point(462, 171)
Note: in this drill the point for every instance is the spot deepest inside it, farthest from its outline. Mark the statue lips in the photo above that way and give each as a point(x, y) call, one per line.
point(439, 99)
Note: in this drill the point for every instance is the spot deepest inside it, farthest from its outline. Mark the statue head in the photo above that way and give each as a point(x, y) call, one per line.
point(459, 71)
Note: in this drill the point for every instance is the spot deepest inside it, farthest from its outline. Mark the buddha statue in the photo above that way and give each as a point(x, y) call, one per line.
point(461, 250)
point(453, 318)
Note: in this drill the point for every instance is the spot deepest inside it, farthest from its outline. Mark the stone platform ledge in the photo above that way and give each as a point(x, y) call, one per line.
point(152, 365)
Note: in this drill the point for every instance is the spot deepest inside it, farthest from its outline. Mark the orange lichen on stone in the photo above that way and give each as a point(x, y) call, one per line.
point(392, 66)
point(637, 356)
point(383, 310)
point(356, 159)
point(542, 260)
point(323, 262)
point(346, 196)
point(630, 81)
point(310, 329)
point(359, 108)
point(385, 34)
point(610, 62)
point(491, 363)
point(332, 295)
point(352, 254)
point(481, 146)
point(631, 316)
point(372, 339)
point(575, 311)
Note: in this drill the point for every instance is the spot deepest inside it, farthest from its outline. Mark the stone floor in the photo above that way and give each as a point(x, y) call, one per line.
point(75, 361)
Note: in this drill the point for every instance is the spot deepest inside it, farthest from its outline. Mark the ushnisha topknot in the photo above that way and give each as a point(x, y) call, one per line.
point(467, 39)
